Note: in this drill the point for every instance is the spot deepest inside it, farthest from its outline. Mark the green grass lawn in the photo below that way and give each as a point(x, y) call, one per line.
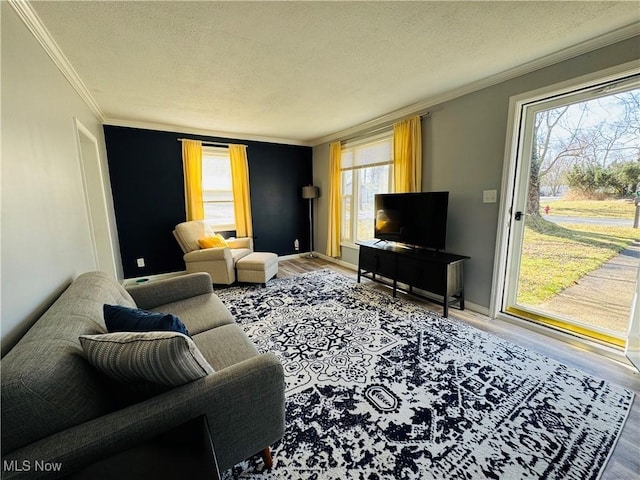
point(590, 208)
point(555, 257)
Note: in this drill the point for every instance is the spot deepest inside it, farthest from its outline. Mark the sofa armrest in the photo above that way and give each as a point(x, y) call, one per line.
point(168, 290)
point(244, 242)
point(244, 404)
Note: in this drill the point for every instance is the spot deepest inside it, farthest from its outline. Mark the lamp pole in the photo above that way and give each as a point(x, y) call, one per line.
point(310, 192)
point(311, 255)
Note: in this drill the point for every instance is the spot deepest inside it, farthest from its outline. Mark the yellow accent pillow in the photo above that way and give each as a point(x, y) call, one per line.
point(213, 242)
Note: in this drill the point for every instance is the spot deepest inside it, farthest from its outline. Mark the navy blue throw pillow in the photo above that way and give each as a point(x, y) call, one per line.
point(124, 319)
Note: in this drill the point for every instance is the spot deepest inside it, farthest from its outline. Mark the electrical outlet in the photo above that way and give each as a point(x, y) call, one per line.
point(140, 262)
point(296, 245)
point(489, 196)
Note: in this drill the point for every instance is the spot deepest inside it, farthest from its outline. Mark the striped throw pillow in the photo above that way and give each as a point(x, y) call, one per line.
point(165, 358)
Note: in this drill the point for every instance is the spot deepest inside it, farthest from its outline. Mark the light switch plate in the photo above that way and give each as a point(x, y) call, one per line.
point(489, 196)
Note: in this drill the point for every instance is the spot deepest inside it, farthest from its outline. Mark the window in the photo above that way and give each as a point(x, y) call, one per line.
point(217, 191)
point(367, 169)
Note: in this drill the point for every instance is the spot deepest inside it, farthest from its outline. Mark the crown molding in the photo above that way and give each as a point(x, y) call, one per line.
point(423, 106)
point(32, 21)
point(162, 127)
point(30, 18)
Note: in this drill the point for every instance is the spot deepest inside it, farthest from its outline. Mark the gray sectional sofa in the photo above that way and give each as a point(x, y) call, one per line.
point(57, 408)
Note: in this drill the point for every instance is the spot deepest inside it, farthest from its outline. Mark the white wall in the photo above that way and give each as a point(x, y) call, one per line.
point(45, 236)
point(463, 153)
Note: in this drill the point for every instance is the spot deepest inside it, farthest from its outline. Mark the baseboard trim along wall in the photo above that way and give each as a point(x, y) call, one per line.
point(474, 307)
point(150, 278)
point(337, 261)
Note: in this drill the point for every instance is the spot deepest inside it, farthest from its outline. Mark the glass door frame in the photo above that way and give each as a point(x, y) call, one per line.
point(514, 179)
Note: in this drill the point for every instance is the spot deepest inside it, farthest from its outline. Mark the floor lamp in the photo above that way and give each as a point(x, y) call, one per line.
point(310, 192)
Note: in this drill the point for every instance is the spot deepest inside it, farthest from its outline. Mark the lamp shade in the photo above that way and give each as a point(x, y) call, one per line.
point(310, 192)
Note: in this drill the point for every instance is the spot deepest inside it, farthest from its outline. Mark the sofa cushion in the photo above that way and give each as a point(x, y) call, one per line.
point(199, 313)
point(238, 253)
point(149, 295)
point(259, 261)
point(125, 319)
point(225, 346)
point(47, 385)
point(165, 358)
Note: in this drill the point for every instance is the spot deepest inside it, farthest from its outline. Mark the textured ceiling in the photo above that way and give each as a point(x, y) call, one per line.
point(303, 70)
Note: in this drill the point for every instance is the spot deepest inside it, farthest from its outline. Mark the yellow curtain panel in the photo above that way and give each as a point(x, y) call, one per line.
point(241, 196)
point(192, 164)
point(333, 239)
point(407, 156)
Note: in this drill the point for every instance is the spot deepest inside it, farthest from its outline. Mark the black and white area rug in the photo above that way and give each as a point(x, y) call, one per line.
point(382, 389)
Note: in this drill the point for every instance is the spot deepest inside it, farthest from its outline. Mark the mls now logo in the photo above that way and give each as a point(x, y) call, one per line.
point(28, 466)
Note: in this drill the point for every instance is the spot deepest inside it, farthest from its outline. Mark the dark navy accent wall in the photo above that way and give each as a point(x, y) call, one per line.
point(147, 182)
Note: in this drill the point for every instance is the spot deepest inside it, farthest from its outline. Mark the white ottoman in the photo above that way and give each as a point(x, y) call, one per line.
point(257, 267)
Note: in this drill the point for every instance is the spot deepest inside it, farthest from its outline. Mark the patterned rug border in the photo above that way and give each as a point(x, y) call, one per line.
point(228, 293)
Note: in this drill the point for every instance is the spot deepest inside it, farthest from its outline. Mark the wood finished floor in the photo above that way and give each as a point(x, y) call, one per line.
point(624, 463)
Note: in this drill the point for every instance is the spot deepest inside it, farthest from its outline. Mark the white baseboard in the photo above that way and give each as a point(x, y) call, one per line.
point(337, 261)
point(474, 307)
point(149, 278)
point(293, 256)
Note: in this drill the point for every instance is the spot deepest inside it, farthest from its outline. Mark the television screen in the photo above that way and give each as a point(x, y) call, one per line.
point(417, 219)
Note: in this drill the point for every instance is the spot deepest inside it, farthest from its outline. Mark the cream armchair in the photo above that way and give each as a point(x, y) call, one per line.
point(219, 262)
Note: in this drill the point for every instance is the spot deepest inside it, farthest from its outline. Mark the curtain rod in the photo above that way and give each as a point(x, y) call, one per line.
point(214, 144)
point(386, 126)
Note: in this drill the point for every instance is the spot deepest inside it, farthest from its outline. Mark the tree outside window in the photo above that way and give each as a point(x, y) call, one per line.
point(367, 169)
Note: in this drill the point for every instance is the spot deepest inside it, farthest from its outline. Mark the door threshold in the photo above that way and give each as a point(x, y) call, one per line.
point(567, 326)
point(609, 351)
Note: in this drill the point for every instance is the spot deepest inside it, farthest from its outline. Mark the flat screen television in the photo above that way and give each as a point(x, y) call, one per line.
point(416, 219)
